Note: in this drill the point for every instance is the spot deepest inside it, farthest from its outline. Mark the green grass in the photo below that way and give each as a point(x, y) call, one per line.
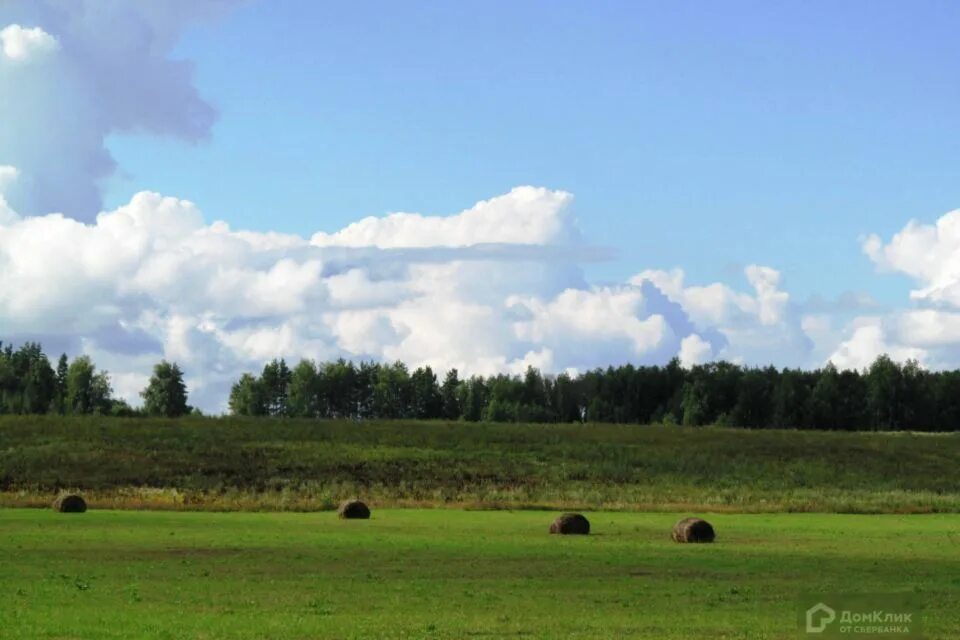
point(235, 464)
point(419, 573)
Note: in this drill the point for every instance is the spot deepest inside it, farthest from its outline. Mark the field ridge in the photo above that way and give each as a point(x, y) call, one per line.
point(231, 464)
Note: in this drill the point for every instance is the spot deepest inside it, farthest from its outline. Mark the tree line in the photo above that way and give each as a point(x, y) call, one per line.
point(886, 396)
point(30, 384)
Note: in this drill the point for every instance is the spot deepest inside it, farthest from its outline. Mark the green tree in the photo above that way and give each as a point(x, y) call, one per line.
point(426, 403)
point(88, 391)
point(498, 410)
point(60, 399)
point(247, 397)
point(304, 398)
point(883, 393)
point(37, 379)
point(918, 410)
point(695, 403)
point(753, 408)
point(475, 399)
point(166, 393)
point(451, 396)
point(275, 382)
point(825, 399)
point(534, 404)
point(391, 397)
point(791, 399)
point(340, 385)
point(9, 383)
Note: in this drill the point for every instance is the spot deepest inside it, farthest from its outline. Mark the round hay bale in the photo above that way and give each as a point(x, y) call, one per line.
point(70, 503)
point(571, 523)
point(692, 530)
point(353, 510)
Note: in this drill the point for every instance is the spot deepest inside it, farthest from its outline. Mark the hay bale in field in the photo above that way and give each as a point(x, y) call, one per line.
point(70, 503)
point(571, 523)
point(692, 530)
point(353, 510)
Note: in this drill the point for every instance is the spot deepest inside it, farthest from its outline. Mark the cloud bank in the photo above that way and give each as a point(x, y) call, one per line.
point(494, 288)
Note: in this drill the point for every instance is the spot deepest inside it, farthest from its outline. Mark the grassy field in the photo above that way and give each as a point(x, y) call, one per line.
point(446, 573)
point(230, 464)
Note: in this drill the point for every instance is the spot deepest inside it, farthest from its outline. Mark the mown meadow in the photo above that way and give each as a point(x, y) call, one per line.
point(445, 573)
point(271, 464)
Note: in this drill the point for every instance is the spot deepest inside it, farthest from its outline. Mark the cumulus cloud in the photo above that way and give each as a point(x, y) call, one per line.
point(929, 336)
point(929, 254)
point(694, 350)
point(20, 44)
point(757, 327)
point(602, 325)
point(547, 221)
point(929, 329)
point(154, 279)
point(73, 72)
point(870, 339)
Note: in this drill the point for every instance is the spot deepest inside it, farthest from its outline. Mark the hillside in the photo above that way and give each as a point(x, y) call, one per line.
point(265, 464)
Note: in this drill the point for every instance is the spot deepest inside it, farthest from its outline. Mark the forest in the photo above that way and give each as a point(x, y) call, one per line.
point(886, 396)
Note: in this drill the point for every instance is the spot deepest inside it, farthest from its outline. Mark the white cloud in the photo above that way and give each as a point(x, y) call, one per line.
point(595, 327)
point(694, 350)
point(547, 221)
point(22, 44)
point(754, 328)
point(111, 63)
point(870, 339)
point(712, 304)
point(928, 328)
point(152, 279)
point(770, 301)
point(929, 254)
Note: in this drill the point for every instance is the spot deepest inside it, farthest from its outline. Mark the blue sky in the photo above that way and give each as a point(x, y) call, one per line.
point(702, 135)
point(749, 169)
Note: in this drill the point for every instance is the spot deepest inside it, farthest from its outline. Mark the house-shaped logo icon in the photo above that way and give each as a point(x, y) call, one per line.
point(818, 617)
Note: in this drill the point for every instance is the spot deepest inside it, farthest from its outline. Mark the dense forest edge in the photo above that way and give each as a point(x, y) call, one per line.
point(887, 396)
point(234, 463)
